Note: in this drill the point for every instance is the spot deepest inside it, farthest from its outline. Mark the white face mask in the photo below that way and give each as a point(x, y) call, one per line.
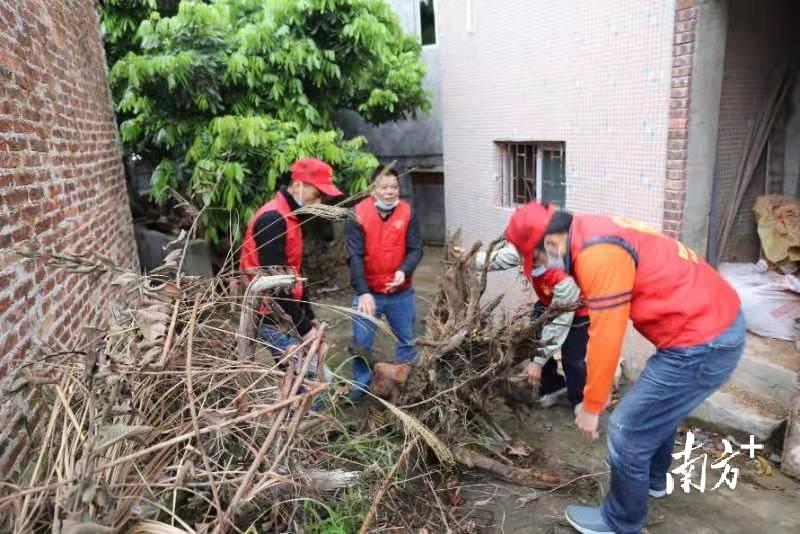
point(299, 198)
point(538, 271)
point(555, 260)
point(384, 206)
point(557, 263)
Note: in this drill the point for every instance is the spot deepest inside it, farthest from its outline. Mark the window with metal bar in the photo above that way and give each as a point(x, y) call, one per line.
point(531, 171)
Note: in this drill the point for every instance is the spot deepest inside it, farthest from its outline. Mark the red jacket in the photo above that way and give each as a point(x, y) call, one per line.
point(384, 243)
point(544, 285)
point(294, 242)
point(678, 300)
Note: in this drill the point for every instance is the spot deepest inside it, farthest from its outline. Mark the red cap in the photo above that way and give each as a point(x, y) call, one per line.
point(526, 229)
point(315, 172)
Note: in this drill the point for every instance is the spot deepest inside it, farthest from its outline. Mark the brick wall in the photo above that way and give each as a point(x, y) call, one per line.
point(61, 186)
point(677, 140)
point(759, 40)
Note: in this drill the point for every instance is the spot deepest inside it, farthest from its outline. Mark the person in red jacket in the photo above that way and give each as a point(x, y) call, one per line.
point(274, 238)
point(627, 270)
point(384, 247)
point(568, 332)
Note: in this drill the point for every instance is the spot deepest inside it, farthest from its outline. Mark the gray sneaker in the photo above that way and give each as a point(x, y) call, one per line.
point(587, 520)
point(551, 399)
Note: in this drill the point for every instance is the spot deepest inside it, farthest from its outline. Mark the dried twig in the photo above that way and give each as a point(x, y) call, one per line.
point(383, 488)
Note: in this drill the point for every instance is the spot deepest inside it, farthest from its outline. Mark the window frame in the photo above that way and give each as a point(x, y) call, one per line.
point(435, 5)
point(506, 178)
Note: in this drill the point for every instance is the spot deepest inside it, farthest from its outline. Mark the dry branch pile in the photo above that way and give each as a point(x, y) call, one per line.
point(156, 419)
point(171, 420)
point(469, 356)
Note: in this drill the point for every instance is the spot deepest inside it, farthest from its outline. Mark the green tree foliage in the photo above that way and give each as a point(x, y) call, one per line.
point(121, 19)
point(227, 95)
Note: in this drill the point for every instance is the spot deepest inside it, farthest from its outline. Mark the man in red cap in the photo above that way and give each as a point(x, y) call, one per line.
point(627, 270)
point(274, 238)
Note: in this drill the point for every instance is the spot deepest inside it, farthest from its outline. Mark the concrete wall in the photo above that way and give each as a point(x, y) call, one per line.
point(412, 142)
point(62, 188)
point(708, 21)
point(761, 37)
point(791, 162)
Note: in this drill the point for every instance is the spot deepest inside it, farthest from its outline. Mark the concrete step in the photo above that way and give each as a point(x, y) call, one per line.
point(740, 411)
point(768, 368)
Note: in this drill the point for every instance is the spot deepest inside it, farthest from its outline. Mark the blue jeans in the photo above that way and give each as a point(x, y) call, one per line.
point(278, 342)
point(400, 310)
point(276, 339)
point(641, 430)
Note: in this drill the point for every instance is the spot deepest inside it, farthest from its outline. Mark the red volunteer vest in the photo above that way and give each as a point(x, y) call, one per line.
point(384, 243)
point(678, 299)
point(294, 242)
point(544, 285)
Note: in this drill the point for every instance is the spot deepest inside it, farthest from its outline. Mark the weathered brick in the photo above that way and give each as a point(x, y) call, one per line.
point(678, 113)
point(60, 176)
point(678, 164)
point(686, 14)
point(678, 134)
point(680, 82)
point(678, 72)
point(677, 144)
point(678, 184)
point(678, 123)
point(682, 38)
point(683, 49)
point(679, 92)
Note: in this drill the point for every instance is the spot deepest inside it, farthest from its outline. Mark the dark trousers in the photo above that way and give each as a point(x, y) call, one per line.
point(573, 360)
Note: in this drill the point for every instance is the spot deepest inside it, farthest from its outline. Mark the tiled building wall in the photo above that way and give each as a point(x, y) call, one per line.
point(62, 188)
point(761, 38)
point(596, 75)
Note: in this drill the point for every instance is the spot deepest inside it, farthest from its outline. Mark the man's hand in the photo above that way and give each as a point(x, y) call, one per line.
point(399, 279)
point(587, 423)
point(366, 304)
point(311, 334)
point(533, 373)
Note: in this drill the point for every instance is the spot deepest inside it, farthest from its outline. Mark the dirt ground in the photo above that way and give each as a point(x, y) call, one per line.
point(758, 504)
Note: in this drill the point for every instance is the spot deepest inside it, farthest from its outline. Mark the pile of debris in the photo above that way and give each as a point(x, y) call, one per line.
point(171, 420)
point(152, 420)
point(470, 357)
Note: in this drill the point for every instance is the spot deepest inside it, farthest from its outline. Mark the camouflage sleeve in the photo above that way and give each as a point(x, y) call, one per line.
point(565, 293)
point(502, 259)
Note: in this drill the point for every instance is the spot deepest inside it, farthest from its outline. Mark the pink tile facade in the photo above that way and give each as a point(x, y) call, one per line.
point(596, 75)
point(610, 79)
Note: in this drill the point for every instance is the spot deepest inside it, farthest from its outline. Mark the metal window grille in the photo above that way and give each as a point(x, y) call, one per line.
point(531, 171)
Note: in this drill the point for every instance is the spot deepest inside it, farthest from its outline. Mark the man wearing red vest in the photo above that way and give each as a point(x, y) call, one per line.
point(274, 238)
point(627, 270)
point(384, 247)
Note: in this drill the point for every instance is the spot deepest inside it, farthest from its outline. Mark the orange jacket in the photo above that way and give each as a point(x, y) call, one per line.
point(626, 269)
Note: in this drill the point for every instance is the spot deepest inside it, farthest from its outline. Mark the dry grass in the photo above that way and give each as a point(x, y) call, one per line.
point(175, 419)
point(154, 420)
